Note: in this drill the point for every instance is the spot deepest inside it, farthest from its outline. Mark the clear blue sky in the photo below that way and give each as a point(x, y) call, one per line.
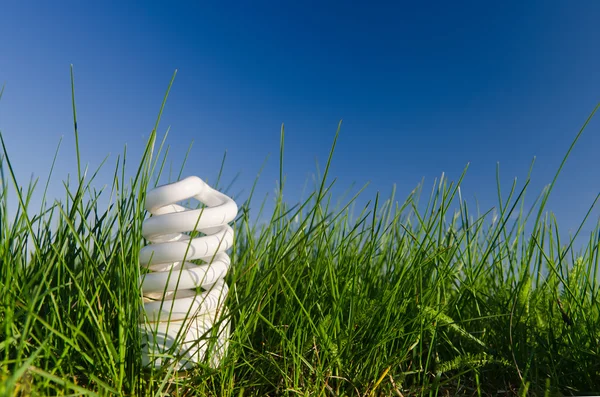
point(423, 88)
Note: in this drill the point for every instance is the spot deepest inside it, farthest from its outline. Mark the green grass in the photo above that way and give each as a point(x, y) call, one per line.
point(412, 296)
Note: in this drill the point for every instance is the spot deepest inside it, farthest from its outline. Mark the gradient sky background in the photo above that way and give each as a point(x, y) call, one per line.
point(423, 88)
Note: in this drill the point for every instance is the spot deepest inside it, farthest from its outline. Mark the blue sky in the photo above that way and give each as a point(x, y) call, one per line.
point(422, 88)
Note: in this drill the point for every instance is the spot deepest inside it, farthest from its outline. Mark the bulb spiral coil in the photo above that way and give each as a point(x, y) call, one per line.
point(178, 319)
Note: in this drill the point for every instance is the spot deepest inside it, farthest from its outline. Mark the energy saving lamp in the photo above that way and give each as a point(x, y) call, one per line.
point(184, 301)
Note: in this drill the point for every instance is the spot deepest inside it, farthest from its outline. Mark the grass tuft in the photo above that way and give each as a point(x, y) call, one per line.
point(395, 298)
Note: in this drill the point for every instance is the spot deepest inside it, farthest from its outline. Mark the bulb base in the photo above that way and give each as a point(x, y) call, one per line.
point(201, 339)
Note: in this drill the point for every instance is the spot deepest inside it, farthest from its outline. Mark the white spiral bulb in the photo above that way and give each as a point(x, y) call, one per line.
point(178, 321)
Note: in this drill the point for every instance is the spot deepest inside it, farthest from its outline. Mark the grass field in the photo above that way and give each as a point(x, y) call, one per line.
point(404, 296)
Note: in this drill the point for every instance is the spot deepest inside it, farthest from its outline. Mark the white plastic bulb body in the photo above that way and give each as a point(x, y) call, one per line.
point(184, 301)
